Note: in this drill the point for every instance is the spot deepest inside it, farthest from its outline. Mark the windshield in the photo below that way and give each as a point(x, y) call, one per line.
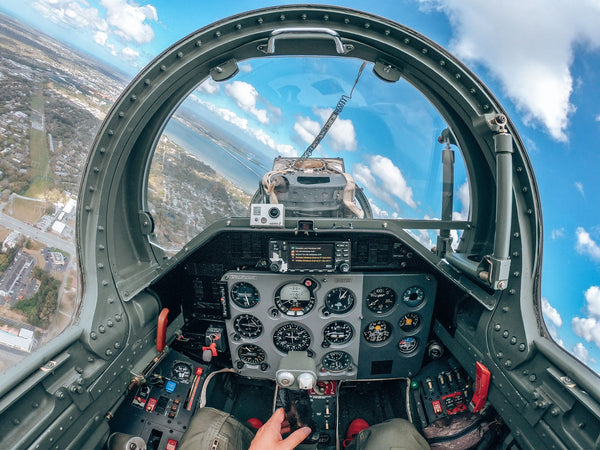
point(239, 142)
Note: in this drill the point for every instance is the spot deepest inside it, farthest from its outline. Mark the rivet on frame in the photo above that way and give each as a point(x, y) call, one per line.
point(91, 189)
point(458, 76)
point(180, 54)
point(424, 51)
point(88, 208)
point(260, 20)
point(198, 44)
point(346, 20)
point(326, 17)
point(110, 132)
point(110, 300)
point(147, 82)
point(100, 266)
point(102, 150)
point(104, 282)
point(133, 98)
point(217, 34)
point(282, 17)
point(238, 26)
point(101, 247)
point(406, 40)
point(163, 68)
point(387, 32)
point(100, 228)
point(486, 107)
point(367, 25)
point(473, 91)
point(303, 16)
point(442, 63)
point(121, 114)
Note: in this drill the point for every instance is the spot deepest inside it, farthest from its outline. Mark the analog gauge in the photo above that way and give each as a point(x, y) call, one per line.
point(251, 354)
point(381, 300)
point(377, 331)
point(339, 300)
point(244, 295)
point(339, 332)
point(336, 361)
point(295, 299)
point(408, 344)
point(291, 337)
point(413, 296)
point(410, 321)
point(181, 371)
point(248, 326)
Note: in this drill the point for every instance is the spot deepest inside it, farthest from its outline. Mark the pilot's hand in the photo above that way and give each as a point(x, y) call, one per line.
point(268, 437)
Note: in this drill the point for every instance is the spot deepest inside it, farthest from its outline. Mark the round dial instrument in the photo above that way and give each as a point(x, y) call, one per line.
point(244, 295)
point(409, 321)
point(408, 344)
point(181, 371)
point(291, 337)
point(338, 332)
point(336, 361)
point(251, 354)
point(339, 300)
point(248, 326)
point(413, 296)
point(295, 299)
point(377, 331)
point(381, 300)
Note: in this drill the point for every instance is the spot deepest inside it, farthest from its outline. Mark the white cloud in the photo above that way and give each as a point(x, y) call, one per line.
point(558, 233)
point(245, 67)
point(209, 86)
point(243, 124)
point(392, 178)
point(129, 54)
point(581, 352)
point(72, 13)
point(341, 135)
point(551, 313)
point(245, 96)
point(129, 19)
point(598, 118)
point(531, 62)
point(464, 195)
point(307, 129)
point(579, 187)
point(592, 297)
point(100, 37)
point(586, 245)
point(589, 327)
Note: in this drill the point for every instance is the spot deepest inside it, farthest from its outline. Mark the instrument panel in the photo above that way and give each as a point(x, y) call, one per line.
point(354, 325)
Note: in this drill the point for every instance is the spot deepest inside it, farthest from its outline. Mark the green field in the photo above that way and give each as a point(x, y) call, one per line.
point(40, 155)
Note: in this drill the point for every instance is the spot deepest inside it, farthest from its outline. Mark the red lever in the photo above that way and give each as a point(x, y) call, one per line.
point(161, 331)
point(482, 384)
point(212, 347)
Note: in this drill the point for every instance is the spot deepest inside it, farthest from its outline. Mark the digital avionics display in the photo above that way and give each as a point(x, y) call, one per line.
point(310, 256)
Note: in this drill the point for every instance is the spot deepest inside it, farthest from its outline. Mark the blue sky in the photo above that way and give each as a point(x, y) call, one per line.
point(541, 59)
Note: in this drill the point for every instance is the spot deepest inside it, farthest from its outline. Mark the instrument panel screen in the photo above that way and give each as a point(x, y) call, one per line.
point(316, 256)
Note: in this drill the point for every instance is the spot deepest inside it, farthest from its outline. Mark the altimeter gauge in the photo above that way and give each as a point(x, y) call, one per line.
point(381, 300)
point(248, 325)
point(244, 294)
point(251, 354)
point(336, 361)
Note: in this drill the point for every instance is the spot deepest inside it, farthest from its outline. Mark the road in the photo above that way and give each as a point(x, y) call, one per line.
point(51, 240)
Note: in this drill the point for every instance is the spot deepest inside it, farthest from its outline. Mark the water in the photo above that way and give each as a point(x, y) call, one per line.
point(235, 166)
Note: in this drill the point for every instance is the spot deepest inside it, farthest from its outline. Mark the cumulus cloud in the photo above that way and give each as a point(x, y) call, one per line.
point(306, 128)
point(581, 352)
point(129, 54)
point(589, 327)
point(209, 86)
point(529, 62)
point(243, 124)
point(72, 13)
point(384, 180)
point(586, 245)
point(464, 195)
point(558, 233)
point(100, 37)
point(341, 135)
point(551, 313)
point(246, 96)
point(579, 187)
point(129, 19)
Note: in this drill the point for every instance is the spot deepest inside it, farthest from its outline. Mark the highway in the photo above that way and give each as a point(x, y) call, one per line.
point(51, 240)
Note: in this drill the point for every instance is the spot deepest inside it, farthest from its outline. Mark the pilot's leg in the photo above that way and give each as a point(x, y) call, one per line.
point(211, 429)
point(394, 434)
